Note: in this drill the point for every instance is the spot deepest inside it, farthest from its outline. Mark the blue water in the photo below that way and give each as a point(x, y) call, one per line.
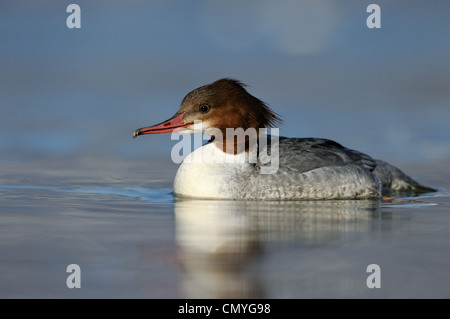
point(75, 188)
point(138, 242)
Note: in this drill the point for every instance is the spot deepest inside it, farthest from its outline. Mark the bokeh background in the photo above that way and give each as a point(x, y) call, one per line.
point(71, 96)
point(75, 187)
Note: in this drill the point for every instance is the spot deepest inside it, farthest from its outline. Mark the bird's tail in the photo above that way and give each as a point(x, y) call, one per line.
point(396, 182)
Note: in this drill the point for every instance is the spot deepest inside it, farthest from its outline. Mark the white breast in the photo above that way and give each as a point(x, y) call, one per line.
point(210, 173)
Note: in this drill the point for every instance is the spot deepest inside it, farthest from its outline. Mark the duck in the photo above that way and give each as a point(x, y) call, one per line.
point(241, 161)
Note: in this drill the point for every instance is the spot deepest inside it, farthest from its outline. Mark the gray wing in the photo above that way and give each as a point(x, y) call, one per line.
point(305, 154)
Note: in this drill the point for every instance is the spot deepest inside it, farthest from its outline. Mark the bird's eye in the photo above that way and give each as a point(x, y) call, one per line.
point(204, 108)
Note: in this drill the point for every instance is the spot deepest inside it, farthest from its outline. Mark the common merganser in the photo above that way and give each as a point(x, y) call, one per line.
point(307, 168)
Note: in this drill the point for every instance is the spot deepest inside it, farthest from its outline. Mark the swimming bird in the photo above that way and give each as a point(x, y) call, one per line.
point(257, 166)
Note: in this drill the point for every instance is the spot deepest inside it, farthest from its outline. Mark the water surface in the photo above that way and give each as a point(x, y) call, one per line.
point(137, 241)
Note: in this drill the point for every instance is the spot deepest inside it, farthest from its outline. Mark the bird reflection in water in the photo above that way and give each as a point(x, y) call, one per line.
point(221, 243)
